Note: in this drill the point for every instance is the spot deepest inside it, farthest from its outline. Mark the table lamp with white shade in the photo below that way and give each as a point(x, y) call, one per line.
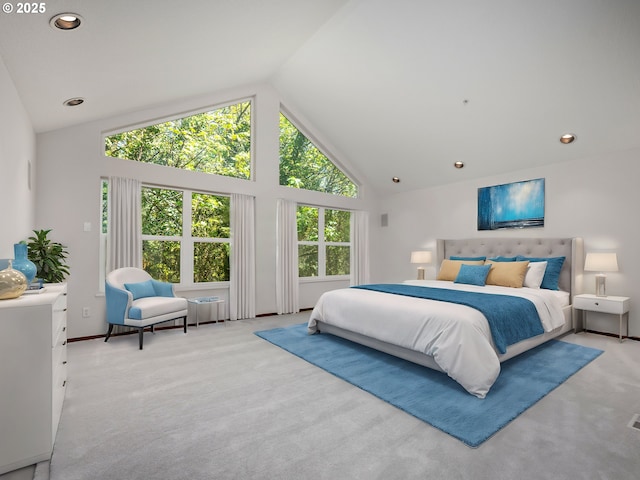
point(421, 258)
point(601, 262)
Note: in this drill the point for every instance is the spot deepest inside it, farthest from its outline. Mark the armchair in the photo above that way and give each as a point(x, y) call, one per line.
point(134, 299)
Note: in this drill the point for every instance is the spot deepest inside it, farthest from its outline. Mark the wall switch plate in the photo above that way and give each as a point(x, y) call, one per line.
point(86, 312)
point(87, 226)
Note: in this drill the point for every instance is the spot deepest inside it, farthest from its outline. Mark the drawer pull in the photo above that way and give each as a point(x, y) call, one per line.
point(64, 363)
point(64, 329)
point(64, 343)
point(64, 384)
point(597, 304)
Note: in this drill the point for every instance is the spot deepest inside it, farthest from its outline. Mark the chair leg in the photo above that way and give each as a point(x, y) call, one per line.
point(109, 332)
point(140, 334)
point(152, 329)
point(185, 324)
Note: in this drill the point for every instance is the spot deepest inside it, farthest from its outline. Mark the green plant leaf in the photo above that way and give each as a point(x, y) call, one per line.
point(49, 257)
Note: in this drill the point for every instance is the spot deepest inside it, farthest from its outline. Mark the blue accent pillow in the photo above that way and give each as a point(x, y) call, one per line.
point(141, 289)
point(473, 274)
point(473, 259)
point(503, 259)
point(162, 289)
point(552, 273)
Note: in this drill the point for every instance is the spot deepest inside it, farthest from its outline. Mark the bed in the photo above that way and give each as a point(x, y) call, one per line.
point(455, 338)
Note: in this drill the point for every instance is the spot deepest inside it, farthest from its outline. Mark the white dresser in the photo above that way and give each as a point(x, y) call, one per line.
point(33, 375)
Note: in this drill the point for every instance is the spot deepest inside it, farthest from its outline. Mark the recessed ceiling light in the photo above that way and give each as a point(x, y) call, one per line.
point(395, 180)
point(73, 102)
point(66, 21)
point(458, 164)
point(567, 138)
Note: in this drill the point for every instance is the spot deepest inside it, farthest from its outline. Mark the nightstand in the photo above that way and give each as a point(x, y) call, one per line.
point(610, 304)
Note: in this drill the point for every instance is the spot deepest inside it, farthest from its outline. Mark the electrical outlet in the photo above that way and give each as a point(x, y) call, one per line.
point(86, 312)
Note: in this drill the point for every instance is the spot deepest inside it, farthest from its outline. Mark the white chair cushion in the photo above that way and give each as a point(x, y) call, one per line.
point(147, 307)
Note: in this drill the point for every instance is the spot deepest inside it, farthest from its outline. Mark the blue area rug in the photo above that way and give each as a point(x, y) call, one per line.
point(432, 396)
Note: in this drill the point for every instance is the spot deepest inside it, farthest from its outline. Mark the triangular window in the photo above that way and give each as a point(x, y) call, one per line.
point(217, 142)
point(303, 165)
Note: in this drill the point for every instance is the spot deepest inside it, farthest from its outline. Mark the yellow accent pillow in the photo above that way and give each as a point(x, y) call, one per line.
point(507, 274)
point(450, 268)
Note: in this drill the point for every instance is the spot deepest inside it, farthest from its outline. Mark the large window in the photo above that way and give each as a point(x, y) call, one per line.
point(324, 247)
point(303, 165)
point(217, 142)
point(185, 236)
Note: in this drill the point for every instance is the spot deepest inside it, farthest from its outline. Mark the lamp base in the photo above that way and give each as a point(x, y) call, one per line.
point(420, 273)
point(601, 287)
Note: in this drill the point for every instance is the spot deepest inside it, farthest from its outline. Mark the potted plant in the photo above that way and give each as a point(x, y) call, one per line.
point(49, 257)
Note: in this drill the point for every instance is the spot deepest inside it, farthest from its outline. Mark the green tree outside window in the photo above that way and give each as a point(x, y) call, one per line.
point(210, 219)
point(303, 165)
point(164, 237)
point(216, 142)
point(328, 254)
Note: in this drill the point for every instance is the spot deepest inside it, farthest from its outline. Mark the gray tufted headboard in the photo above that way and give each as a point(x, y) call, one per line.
point(571, 248)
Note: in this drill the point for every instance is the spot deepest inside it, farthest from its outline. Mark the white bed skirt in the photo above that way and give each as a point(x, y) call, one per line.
point(427, 360)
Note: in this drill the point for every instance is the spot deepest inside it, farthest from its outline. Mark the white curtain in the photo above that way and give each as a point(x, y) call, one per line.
point(360, 248)
point(124, 247)
point(286, 257)
point(242, 293)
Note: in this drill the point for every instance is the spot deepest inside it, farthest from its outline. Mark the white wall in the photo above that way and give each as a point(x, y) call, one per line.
point(72, 163)
point(17, 153)
point(594, 198)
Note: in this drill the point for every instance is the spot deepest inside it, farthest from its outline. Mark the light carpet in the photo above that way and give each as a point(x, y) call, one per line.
point(432, 396)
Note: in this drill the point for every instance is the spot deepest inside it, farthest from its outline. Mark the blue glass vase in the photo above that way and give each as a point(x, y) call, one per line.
point(22, 262)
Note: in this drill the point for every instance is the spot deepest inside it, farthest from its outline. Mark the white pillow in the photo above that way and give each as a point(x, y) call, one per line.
point(535, 274)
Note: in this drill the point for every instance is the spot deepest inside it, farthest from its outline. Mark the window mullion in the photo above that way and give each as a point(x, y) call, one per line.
point(322, 253)
point(162, 238)
point(186, 250)
point(210, 240)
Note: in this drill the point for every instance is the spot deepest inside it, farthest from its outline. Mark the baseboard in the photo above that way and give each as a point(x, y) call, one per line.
point(147, 329)
point(614, 335)
point(170, 327)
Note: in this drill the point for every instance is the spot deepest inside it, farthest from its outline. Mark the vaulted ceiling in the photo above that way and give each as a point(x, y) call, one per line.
point(399, 88)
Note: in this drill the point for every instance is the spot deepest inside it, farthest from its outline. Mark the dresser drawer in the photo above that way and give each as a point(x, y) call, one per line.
point(59, 358)
point(59, 320)
point(60, 334)
point(60, 303)
point(60, 376)
point(59, 388)
point(601, 304)
point(59, 369)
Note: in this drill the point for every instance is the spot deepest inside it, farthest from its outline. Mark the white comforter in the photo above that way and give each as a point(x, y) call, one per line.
point(456, 336)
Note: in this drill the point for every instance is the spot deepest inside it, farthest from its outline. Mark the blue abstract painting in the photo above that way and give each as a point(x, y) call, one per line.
point(512, 205)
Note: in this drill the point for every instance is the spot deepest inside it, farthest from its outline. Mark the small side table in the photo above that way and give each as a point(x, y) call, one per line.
point(207, 300)
point(609, 304)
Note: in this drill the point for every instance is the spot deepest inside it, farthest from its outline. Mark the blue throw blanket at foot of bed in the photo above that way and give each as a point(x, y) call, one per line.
point(511, 319)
